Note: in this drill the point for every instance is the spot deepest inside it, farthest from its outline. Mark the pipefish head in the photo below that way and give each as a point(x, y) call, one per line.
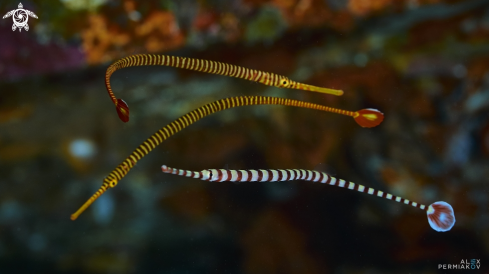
point(122, 110)
point(109, 182)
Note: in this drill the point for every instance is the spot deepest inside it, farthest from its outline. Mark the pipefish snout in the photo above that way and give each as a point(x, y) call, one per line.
point(266, 78)
point(365, 118)
point(440, 214)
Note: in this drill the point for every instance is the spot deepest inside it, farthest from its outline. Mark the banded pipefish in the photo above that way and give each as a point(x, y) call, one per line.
point(266, 78)
point(440, 214)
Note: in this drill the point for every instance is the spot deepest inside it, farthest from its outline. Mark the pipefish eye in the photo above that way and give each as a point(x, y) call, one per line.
point(113, 183)
point(284, 83)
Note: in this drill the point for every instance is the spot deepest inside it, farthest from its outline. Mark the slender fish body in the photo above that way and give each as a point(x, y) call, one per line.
point(440, 214)
point(266, 78)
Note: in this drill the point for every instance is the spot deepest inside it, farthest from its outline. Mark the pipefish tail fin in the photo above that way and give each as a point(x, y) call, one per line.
point(92, 199)
point(122, 110)
point(369, 117)
point(441, 216)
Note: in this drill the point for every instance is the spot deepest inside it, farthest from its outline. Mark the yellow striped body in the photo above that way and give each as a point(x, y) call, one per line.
point(270, 79)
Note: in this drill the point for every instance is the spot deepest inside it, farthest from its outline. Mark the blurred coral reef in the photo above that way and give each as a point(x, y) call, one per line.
point(423, 63)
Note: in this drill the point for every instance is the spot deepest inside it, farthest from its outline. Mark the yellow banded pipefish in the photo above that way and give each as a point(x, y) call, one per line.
point(213, 67)
point(373, 118)
point(440, 214)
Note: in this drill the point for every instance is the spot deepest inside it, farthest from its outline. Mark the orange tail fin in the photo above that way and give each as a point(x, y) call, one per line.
point(369, 117)
point(122, 110)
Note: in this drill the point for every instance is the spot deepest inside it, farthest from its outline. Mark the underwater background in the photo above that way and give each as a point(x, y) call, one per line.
point(423, 63)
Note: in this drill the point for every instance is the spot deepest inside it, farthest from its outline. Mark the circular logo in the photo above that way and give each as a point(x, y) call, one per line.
point(20, 18)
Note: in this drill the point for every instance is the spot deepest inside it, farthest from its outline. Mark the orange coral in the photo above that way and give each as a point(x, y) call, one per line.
point(103, 41)
point(98, 39)
point(161, 32)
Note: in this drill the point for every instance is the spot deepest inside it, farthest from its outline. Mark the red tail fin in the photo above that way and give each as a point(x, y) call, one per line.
point(369, 117)
point(122, 110)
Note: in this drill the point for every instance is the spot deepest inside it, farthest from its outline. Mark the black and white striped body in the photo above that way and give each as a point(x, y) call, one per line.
point(274, 175)
point(441, 216)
